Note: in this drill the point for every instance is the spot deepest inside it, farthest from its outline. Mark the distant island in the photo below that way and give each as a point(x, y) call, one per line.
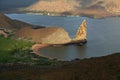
point(92, 8)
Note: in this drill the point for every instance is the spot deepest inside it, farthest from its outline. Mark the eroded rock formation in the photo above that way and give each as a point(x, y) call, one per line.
point(82, 32)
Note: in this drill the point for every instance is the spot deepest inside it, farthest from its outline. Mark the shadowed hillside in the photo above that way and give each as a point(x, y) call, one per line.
point(6, 22)
point(10, 24)
point(103, 68)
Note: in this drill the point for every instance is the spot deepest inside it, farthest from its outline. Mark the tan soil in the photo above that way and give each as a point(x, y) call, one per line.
point(52, 35)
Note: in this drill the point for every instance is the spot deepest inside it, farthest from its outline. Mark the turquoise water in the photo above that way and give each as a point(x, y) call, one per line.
point(103, 35)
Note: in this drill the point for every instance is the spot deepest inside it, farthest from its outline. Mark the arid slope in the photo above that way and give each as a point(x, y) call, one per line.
point(7, 23)
point(94, 8)
point(52, 35)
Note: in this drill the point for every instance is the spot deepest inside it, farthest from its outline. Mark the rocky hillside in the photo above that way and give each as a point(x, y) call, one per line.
point(103, 68)
point(58, 6)
point(7, 23)
point(38, 34)
point(112, 6)
point(77, 7)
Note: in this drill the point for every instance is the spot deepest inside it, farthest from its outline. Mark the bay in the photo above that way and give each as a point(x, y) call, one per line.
point(103, 35)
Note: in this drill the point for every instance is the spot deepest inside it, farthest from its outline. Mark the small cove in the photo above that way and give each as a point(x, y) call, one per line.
point(103, 35)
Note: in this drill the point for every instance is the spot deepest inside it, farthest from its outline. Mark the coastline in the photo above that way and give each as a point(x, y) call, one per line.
point(71, 14)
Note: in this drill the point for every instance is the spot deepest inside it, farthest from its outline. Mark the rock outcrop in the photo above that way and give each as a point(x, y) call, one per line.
point(82, 32)
point(52, 35)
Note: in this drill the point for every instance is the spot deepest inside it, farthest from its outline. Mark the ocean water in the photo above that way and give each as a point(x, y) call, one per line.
point(103, 35)
point(13, 5)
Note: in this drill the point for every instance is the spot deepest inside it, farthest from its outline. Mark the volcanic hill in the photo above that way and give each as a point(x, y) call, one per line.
point(94, 8)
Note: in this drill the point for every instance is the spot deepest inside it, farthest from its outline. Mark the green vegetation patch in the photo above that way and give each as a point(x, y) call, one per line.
point(18, 51)
point(10, 47)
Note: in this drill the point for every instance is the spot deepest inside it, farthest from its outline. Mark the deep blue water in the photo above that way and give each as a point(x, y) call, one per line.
point(13, 5)
point(103, 35)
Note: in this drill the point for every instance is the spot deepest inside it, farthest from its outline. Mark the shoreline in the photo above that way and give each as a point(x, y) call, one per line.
point(94, 16)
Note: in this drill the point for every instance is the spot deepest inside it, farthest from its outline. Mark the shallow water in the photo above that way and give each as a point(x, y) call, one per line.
point(103, 35)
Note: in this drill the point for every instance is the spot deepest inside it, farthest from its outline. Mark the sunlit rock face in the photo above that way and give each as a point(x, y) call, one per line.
point(60, 36)
point(81, 33)
point(112, 6)
point(52, 35)
point(54, 5)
